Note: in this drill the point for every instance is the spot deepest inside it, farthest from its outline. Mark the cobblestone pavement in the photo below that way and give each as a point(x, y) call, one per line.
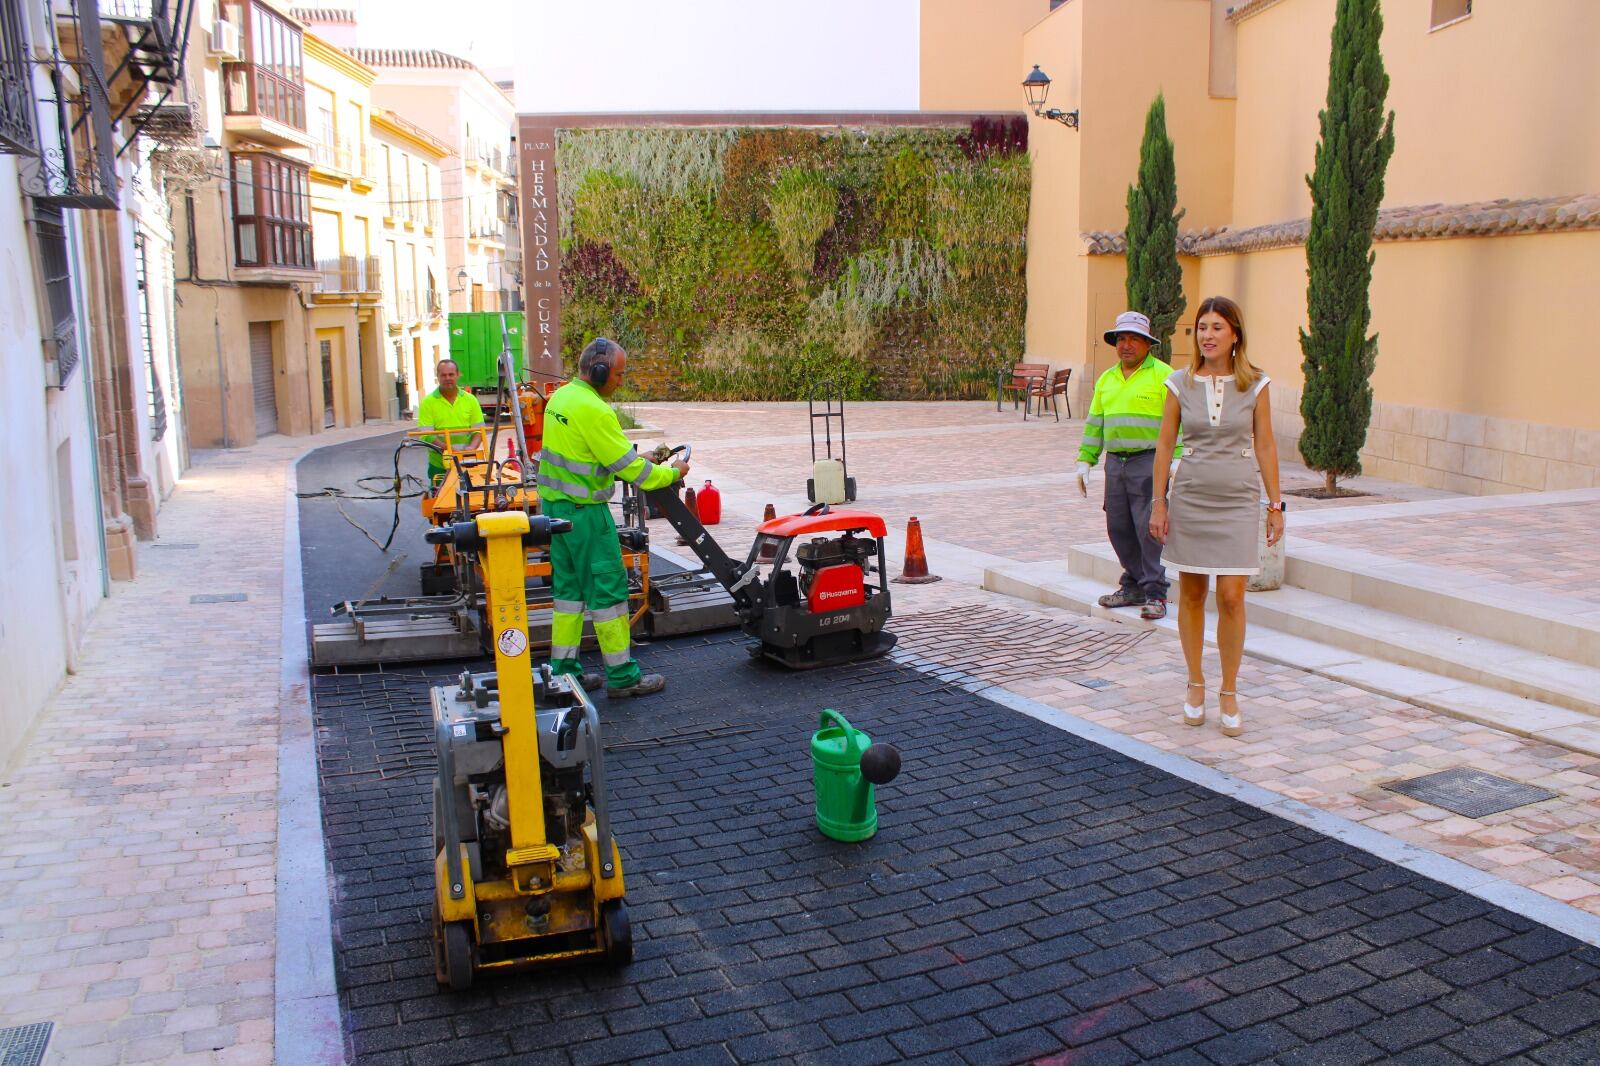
point(1029, 896)
point(1544, 548)
point(985, 480)
point(1310, 738)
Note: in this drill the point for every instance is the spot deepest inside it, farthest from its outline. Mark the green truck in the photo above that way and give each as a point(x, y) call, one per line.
point(476, 343)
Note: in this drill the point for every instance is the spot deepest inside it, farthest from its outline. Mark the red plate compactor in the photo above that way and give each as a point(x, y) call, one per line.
point(825, 598)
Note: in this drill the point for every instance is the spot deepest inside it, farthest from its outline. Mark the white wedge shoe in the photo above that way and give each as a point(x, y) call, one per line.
point(1195, 715)
point(1232, 724)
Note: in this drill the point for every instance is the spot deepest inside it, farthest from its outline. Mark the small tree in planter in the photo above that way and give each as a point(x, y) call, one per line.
point(1346, 190)
point(1155, 281)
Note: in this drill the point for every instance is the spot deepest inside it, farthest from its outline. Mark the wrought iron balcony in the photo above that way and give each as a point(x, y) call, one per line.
point(341, 157)
point(348, 274)
point(18, 135)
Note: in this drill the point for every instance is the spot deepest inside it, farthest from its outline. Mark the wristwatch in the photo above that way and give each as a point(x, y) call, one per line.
point(1282, 507)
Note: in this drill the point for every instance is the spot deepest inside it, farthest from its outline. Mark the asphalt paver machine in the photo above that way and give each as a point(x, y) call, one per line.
point(448, 621)
point(526, 871)
point(812, 592)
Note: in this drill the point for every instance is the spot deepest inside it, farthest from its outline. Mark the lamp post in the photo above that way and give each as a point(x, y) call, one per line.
point(1036, 86)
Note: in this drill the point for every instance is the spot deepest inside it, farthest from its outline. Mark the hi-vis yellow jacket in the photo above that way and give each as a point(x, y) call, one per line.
point(585, 450)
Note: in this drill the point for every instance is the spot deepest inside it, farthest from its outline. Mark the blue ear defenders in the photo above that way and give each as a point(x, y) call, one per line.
point(600, 372)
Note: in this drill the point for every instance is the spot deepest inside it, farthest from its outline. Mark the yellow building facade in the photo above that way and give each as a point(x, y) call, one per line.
point(411, 254)
point(346, 314)
point(1489, 233)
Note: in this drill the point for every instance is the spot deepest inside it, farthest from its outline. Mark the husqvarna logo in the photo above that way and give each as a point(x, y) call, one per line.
point(835, 595)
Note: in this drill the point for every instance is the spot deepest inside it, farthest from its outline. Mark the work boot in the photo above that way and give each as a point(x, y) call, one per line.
point(593, 680)
point(1123, 598)
point(1153, 610)
point(648, 684)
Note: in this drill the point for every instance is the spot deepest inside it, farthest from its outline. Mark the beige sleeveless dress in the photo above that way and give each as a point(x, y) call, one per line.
point(1214, 504)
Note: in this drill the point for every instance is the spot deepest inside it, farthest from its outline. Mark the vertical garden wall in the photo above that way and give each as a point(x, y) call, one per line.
point(763, 263)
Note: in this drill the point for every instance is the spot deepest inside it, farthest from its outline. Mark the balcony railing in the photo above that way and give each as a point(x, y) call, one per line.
point(18, 109)
point(255, 90)
point(348, 273)
point(490, 154)
point(434, 303)
point(405, 307)
point(344, 157)
point(488, 231)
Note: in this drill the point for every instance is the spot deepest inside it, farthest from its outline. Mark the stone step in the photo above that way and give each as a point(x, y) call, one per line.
point(1566, 628)
point(1575, 728)
point(1441, 650)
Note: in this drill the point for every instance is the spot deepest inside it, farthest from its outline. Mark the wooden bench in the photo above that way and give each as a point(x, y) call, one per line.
point(1047, 391)
point(1024, 376)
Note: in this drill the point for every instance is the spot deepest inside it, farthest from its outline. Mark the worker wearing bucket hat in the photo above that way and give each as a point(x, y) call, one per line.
point(1124, 421)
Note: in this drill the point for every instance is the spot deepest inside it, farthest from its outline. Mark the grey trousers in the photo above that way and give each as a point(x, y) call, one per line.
point(1128, 489)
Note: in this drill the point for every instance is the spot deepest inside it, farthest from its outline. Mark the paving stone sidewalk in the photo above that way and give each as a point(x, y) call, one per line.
point(138, 827)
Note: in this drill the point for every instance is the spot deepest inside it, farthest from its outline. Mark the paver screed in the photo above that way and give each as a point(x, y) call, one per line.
point(1029, 895)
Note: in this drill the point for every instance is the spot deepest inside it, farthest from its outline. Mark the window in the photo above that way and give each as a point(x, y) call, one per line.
point(270, 84)
point(271, 211)
point(55, 270)
point(157, 397)
point(1448, 11)
point(18, 135)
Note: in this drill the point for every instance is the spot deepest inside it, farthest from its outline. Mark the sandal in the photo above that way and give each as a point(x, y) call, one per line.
point(1232, 724)
point(1195, 715)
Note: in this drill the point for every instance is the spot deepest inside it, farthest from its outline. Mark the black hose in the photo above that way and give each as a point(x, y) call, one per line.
point(397, 484)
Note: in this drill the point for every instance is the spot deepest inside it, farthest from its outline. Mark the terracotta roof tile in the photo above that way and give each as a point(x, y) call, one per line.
point(339, 15)
point(1240, 11)
point(408, 57)
point(1412, 222)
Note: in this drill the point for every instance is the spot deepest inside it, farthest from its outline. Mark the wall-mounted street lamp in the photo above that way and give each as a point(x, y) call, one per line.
point(461, 281)
point(1037, 87)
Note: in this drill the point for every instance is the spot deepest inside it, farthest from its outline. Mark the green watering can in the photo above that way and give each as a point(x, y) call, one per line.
point(846, 766)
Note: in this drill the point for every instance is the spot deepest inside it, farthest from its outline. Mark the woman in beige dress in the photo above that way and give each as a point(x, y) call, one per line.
point(1210, 524)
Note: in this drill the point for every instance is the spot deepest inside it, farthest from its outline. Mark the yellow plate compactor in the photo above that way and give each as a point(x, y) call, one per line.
point(525, 868)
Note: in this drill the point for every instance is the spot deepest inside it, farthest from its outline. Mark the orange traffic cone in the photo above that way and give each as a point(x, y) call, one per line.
point(915, 571)
point(769, 547)
point(688, 501)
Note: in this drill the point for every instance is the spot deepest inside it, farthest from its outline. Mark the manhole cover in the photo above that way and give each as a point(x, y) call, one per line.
point(999, 645)
point(24, 1045)
point(219, 597)
point(1469, 792)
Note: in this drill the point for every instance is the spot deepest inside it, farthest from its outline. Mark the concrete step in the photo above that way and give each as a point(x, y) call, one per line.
point(1575, 728)
point(1442, 650)
point(1566, 628)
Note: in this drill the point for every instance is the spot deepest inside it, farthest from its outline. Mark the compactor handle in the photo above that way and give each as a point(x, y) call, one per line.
point(465, 535)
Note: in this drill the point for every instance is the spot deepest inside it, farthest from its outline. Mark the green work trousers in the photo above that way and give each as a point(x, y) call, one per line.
point(587, 575)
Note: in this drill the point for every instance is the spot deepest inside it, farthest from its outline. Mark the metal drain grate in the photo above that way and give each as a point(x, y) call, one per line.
point(1469, 792)
point(999, 645)
point(24, 1045)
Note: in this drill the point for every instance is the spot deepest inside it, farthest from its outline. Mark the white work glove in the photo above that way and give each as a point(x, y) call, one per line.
point(1083, 478)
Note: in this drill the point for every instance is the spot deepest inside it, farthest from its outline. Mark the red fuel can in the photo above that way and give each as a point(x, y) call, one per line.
point(709, 502)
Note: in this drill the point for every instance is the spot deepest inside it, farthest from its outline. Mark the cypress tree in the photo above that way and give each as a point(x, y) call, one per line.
point(1155, 281)
point(1346, 190)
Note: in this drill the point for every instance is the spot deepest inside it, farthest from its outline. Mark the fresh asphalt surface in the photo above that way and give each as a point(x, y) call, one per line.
point(1029, 895)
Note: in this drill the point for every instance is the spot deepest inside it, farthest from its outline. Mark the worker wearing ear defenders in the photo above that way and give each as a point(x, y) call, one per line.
point(585, 453)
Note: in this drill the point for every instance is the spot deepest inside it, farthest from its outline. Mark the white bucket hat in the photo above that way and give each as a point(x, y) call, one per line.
point(1131, 322)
